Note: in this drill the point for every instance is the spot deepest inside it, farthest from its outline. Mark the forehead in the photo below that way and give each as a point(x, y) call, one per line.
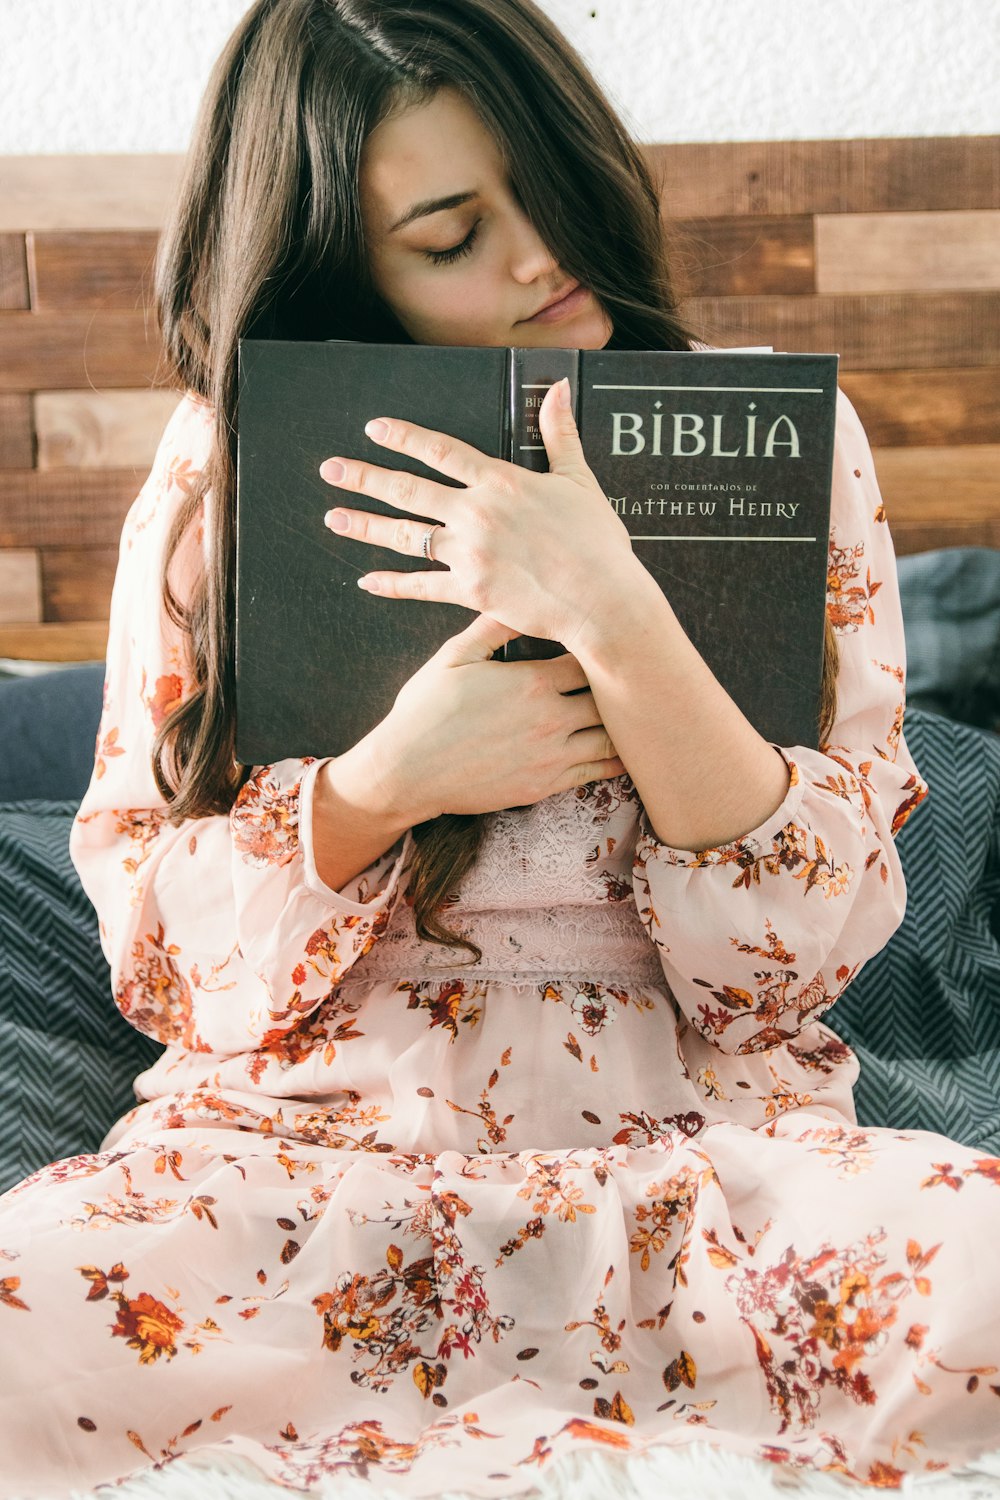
point(428, 150)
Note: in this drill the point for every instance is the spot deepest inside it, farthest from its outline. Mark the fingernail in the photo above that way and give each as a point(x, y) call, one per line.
point(376, 429)
point(337, 520)
point(332, 470)
point(562, 392)
point(370, 585)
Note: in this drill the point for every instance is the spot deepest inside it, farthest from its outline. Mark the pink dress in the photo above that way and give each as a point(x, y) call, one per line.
point(378, 1213)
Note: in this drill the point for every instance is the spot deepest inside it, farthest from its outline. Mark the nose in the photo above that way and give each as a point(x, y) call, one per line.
point(530, 255)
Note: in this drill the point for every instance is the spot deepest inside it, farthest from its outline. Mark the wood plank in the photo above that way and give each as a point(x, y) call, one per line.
point(20, 586)
point(699, 178)
point(101, 429)
point(17, 447)
point(77, 582)
point(13, 273)
point(87, 640)
point(732, 257)
point(910, 408)
point(938, 252)
point(730, 177)
point(116, 191)
point(92, 269)
point(78, 350)
point(916, 536)
point(940, 486)
point(925, 173)
point(885, 331)
point(66, 507)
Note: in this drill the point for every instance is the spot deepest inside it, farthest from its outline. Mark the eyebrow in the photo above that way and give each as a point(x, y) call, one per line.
point(430, 206)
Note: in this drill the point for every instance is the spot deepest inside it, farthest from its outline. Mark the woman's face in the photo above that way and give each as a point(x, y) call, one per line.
point(452, 252)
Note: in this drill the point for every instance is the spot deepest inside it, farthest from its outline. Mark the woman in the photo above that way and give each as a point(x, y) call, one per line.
point(496, 1119)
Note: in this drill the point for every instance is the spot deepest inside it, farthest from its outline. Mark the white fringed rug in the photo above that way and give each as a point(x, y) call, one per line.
point(696, 1471)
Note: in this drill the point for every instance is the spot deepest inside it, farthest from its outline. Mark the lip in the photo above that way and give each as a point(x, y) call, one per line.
point(564, 306)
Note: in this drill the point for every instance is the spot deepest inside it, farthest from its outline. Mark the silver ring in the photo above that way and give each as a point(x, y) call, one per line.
point(425, 546)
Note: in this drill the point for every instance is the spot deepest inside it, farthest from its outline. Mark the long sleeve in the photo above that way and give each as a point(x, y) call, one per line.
point(219, 932)
point(760, 936)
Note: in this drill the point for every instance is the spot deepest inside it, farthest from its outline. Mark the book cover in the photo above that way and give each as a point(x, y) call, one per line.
point(718, 462)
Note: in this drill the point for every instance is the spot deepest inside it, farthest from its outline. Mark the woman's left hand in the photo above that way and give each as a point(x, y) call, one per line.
point(539, 552)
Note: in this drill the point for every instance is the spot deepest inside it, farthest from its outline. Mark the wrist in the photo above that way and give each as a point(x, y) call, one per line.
point(356, 780)
point(618, 621)
point(380, 762)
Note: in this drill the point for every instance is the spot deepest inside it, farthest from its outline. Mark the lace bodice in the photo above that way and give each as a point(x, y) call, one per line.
point(550, 894)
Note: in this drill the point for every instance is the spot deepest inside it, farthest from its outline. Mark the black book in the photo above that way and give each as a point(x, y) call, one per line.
point(719, 463)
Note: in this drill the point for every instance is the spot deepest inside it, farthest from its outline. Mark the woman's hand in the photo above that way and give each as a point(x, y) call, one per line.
point(539, 552)
point(470, 735)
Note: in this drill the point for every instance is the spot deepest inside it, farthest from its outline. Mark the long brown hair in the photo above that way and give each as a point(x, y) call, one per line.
point(266, 240)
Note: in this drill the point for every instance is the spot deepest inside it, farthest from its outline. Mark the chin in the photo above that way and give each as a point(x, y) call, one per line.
point(587, 333)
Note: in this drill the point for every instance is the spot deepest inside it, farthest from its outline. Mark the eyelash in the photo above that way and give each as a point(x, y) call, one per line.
point(447, 257)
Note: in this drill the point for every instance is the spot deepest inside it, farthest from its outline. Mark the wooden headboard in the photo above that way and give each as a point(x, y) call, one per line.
point(885, 251)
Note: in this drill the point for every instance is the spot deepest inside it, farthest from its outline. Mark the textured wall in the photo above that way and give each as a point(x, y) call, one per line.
point(126, 75)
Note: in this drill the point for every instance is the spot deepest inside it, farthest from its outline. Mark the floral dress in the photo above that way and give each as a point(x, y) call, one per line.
point(381, 1212)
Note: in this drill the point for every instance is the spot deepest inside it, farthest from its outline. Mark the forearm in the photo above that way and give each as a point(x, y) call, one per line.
point(703, 773)
point(351, 823)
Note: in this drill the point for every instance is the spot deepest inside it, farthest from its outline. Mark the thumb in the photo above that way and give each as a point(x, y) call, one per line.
point(560, 433)
point(477, 642)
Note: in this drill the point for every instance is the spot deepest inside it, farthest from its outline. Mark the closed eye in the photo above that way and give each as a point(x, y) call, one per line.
point(446, 257)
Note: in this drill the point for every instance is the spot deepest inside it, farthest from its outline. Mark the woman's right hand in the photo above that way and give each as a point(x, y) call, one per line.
point(471, 735)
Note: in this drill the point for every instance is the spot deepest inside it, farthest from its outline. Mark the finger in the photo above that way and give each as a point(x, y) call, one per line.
point(421, 497)
point(591, 745)
point(582, 713)
point(435, 587)
point(586, 771)
point(478, 641)
point(393, 532)
point(435, 449)
point(601, 770)
point(559, 433)
point(564, 672)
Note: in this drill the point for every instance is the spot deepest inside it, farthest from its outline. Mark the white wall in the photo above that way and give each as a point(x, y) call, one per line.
point(126, 75)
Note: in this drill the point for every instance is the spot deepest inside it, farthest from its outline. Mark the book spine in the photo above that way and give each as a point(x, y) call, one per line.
point(532, 372)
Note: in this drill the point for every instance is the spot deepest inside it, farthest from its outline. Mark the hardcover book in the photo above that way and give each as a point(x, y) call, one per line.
point(718, 462)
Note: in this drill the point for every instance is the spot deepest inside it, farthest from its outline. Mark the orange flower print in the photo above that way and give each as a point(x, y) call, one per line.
point(594, 1006)
point(550, 1190)
point(147, 1325)
point(917, 790)
point(592, 1010)
point(668, 1213)
point(849, 1149)
point(107, 747)
point(829, 1323)
point(351, 1128)
point(167, 694)
point(8, 1288)
point(322, 947)
point(265, 820)
point(156, 995)
point(183, 474)
point(144, 1322)
point(579, 1427)
point(381, 1317)
point(986, 1166)
point(142, 830)
point(848, 604)
point(642, 1129)
point(448, 1005)
point(495, 1129)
